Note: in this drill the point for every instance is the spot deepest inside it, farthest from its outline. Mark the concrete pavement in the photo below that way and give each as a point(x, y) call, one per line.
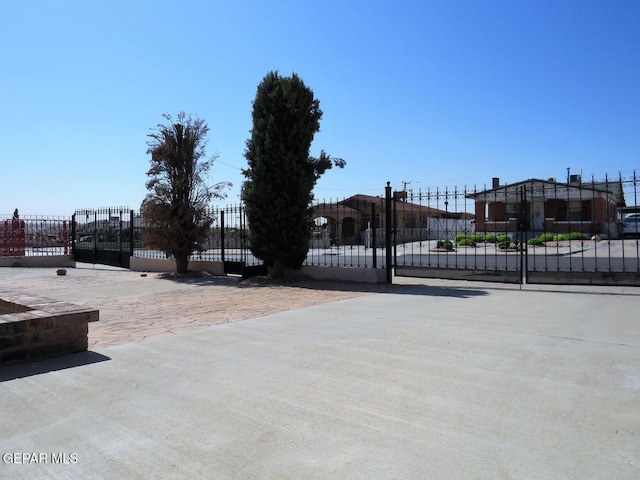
point(434, 380)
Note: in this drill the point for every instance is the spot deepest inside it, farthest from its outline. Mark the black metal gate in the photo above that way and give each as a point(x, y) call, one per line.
point(537, 231)
point(103, 236)
point(233, 243)
point(423, 229)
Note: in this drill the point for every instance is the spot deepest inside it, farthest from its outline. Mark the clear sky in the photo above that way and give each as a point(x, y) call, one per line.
point(433, 92)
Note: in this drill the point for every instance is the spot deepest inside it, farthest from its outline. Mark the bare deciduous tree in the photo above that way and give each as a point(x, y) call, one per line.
point(176, 209)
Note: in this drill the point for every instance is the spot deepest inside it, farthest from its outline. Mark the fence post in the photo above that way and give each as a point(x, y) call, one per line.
point(522, 226)
point(244, 254)
point(73, 236)
point(389, 232)
point(132, 236)
point(65, 237)
point(120, 239)
point(95, 237)
point(373, 235)
point(222, 235)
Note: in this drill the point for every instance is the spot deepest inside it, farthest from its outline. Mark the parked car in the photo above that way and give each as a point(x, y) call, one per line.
point(631, 226)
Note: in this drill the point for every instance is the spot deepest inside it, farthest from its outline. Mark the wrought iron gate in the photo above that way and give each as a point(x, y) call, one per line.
point(532, 232)
point(103, 236)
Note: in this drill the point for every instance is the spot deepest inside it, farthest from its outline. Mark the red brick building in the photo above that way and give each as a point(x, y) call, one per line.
point(551, 207)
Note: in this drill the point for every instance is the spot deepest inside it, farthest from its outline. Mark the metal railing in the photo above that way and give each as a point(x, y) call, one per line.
point(226, 240)
point(34, 235)
point(528, 230)
point(103, 235)
point(348, 233)
point(344, 234)
point(534, 229)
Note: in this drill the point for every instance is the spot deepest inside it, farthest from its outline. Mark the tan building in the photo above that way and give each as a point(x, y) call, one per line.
point(351, 220)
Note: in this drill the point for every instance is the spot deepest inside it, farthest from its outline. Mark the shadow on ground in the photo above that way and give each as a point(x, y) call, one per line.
point(21, 370)
point(204, 279)
point(473, 290)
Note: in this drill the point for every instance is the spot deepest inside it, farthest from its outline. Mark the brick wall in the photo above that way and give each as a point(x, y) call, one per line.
point(32, 328)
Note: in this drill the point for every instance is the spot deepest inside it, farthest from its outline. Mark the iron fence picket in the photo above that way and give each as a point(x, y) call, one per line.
point(34, 235)
point(586, 212)
point(403, 230)
point(104, 235)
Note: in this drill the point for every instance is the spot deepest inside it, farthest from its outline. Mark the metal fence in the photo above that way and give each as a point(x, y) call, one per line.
point(34, 235)
point(103, 235)
point(348, 233)
point(344, 235)
point(534, 230)
point(226, 240)
point(526, 231)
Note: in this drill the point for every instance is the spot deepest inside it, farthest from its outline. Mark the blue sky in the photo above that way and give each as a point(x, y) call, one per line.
point(436, 93)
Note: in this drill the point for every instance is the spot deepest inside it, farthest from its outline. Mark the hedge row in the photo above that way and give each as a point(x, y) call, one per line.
point(554, 237)
point(504, 241)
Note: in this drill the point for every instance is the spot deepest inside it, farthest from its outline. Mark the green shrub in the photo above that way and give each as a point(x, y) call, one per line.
point(446, 244)
point(568, 236)
point(504, 244)
point(477, 237)
point(466, 242)
point(503, 238)
point(461, 237)
point(490, 238)
point(546, 237)
point(535, 241)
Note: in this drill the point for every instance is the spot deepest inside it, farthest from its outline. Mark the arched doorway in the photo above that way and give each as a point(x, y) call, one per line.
point(348, 231)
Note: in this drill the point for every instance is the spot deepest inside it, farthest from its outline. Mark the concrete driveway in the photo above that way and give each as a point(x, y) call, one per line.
point(440, 380)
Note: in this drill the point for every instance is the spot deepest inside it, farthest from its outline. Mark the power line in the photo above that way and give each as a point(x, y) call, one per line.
point(348, 190)
point(227, 164)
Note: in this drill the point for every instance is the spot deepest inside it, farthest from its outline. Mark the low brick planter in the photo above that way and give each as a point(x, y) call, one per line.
point(33, 327)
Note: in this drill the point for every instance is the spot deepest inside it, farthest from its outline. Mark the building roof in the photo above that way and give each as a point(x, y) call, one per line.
point(329, 209)
point(359, 200)
point(537, 188)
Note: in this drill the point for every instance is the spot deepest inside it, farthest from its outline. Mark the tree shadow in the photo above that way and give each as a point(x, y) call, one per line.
point(441, 291)
point(46, 365)
point(419, 290)
point(460, 291)
point(200, 278)
point(304, 282)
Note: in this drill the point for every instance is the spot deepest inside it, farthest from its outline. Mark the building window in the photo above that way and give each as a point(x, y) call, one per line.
point(365, 222)
point(348, 227)
point(574, 211)
point(410, 221)
point(511, 210)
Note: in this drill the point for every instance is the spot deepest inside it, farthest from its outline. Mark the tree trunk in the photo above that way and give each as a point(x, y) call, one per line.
point(277, 269)
point(182, 263)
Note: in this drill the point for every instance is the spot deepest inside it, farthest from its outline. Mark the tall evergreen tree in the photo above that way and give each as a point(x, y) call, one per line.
point(176, 208)
point(281, 174)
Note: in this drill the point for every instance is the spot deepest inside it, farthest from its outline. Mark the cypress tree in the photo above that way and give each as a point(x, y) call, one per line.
point(281, 175)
